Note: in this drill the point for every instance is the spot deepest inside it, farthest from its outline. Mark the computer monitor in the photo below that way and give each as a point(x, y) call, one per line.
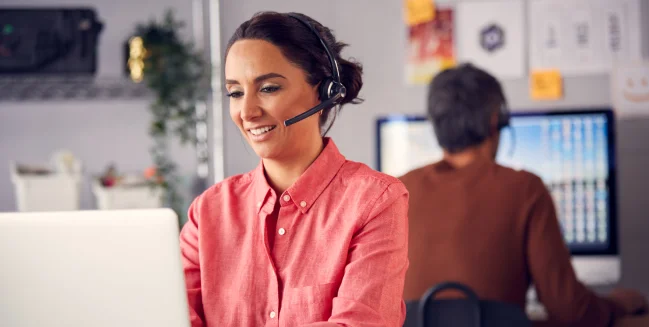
point(405, 143)
point(91, 268)
point(572, 151)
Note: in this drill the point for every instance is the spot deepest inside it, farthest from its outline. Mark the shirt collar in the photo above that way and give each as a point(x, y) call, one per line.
point(261, 189)
point(310, 185)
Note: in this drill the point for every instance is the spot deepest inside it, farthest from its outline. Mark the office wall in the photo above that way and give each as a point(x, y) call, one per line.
point(376, 33)
point(99, 132)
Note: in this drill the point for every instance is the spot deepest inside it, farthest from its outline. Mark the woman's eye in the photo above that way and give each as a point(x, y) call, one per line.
point(235, 94)
point(269, 89)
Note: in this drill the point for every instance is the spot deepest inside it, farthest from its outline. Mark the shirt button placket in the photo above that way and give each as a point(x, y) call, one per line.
point(272, 313)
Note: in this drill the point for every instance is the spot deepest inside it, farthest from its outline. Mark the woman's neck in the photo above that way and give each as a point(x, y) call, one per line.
point(282, 173)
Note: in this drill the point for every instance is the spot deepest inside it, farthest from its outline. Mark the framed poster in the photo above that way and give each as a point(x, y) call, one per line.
point(583, 36)
point(630, 89)
point(491, 36)
point(430, 47)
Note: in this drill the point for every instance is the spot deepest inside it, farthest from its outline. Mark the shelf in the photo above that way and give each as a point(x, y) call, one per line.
point(33, 88)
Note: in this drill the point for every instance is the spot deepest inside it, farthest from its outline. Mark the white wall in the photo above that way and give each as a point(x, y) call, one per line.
point(377, 37)
point(98, 132)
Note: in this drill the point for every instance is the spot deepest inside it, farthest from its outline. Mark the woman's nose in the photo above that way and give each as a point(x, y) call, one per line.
point(250, 109)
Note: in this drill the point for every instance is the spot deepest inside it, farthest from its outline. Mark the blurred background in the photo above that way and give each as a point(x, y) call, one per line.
point(85, 124)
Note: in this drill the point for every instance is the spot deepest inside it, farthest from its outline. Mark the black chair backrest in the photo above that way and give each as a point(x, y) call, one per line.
point(467, 312)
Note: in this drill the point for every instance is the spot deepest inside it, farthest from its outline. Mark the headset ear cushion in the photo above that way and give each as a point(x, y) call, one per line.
point(326, 89)
point(503, 117)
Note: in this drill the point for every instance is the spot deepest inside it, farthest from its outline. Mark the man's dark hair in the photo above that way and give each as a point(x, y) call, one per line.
point(461, 104)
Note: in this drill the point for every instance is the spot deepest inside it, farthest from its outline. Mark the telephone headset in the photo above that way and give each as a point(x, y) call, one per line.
point(503, 116)
point(503, 122)
point(330, 91)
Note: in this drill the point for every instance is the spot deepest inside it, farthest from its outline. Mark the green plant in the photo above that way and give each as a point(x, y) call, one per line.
point(178, 76)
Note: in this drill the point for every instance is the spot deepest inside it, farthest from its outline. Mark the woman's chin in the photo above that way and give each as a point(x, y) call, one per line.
point(265, 151)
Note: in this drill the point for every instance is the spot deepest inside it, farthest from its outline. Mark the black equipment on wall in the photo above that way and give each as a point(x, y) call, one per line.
point(48, 41)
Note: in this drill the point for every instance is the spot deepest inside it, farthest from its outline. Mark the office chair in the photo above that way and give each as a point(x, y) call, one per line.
point(466, 312)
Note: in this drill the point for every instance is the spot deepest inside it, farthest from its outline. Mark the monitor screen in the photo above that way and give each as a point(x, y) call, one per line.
point(572, 151)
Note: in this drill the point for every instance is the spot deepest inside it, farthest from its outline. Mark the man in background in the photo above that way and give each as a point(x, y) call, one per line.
point(492, 228)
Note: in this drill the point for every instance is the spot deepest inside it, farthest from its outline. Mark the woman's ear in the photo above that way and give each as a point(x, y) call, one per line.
point(316, 89)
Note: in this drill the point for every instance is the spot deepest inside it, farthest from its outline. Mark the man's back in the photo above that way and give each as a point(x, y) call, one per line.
point(495, 230)
point(468, 224)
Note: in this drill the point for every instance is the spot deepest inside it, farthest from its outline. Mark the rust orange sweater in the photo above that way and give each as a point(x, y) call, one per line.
point(494, 229)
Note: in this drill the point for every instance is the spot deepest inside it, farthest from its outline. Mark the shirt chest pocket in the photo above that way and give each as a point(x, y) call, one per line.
point(310, 303)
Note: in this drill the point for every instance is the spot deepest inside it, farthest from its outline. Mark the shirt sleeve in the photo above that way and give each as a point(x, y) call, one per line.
point(371, 292)
point(190, 259)
point(564, 297)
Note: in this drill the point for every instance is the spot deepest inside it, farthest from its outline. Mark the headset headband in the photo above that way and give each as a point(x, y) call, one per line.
point(334, 64)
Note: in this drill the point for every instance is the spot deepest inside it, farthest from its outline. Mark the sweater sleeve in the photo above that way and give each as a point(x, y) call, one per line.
point(191, 264)
point(565, 298)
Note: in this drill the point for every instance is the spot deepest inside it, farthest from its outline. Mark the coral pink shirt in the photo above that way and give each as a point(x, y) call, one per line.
point(339, 255)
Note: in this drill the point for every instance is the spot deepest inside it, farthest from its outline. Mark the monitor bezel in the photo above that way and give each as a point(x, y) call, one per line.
point(611, 183)
point(388, 119)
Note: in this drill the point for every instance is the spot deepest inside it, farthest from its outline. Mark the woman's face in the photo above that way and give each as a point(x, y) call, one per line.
point(266, 89)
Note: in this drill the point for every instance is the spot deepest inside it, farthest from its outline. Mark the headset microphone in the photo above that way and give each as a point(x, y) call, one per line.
point(323, 105)
point(331, 91)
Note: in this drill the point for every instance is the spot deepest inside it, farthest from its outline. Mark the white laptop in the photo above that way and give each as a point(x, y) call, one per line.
point(91, 269)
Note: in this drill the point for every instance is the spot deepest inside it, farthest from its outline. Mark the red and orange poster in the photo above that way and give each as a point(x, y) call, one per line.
point(430, 47)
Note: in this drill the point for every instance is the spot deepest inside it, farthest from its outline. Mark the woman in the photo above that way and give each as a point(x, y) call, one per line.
point(307, 238)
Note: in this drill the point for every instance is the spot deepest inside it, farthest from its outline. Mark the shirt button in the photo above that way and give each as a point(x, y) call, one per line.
point(281, 231)
point(287, 198)
point(303, 204)
point(259, 204)
point(272, 315)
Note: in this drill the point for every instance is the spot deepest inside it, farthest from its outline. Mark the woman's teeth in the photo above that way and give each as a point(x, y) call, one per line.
point(261, 130)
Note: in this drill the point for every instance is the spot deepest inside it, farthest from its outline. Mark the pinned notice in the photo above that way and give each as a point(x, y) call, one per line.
point(419, 11)
point(546, 85)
